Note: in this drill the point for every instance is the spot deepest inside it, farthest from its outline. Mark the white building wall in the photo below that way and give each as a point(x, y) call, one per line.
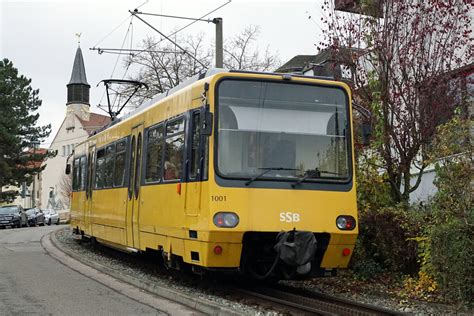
point(426, 189)
point(70, 133)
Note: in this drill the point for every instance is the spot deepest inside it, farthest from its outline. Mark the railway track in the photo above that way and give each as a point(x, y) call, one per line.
point(298, 301)
point(282, 298)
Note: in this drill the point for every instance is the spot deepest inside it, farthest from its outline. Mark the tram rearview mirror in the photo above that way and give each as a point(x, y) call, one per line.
point(68, 168)
point(206, 121)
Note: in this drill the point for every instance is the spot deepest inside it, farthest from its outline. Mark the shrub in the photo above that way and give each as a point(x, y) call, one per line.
point(362, 264)
point(386, 235)
point(448, 252)
point(386, 229)
point(453, 259)
point(422, 286)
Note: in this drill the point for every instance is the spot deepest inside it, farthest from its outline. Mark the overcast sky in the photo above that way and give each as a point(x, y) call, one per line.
point(39, 36)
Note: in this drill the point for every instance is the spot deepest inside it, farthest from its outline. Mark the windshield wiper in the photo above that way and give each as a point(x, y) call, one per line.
point(315, 173)
point(300, 180)
point(266, 170)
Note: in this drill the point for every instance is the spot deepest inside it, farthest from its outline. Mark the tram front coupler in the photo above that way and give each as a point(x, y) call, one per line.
point(296, 249)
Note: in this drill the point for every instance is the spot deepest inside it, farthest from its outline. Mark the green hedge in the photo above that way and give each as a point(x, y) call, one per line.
point(386, 240)
point(452, 258)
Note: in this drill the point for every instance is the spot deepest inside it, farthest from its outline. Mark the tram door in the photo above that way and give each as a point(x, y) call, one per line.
point(194, 164)
point(89, 190)
point(133, 204)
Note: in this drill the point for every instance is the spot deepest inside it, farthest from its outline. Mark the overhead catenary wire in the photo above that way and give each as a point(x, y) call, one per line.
point(175, 17)
point(130, 25)
point(123, 44)
point(131, 45)
point(201, 18)
point(108, 34)
point(141, 5)
point(169, 39)
point(119, 50)
point(119, 25)
point(189, 24)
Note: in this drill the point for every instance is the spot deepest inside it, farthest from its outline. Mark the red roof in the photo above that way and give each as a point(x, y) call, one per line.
point(35, 163)
point(95, 122)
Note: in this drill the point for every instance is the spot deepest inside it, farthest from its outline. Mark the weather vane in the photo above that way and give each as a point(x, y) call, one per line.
point(79, 38)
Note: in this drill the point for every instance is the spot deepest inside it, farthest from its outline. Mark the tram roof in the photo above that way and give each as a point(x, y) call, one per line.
point(188, 82)
point(163, 95)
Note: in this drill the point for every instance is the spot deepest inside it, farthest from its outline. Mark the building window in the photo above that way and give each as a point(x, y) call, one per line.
point(64, 151)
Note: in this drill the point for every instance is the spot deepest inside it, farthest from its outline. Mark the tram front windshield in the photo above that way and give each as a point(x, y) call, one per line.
point(282, 131)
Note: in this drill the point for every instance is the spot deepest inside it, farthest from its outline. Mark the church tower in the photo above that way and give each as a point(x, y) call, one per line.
point(76, 127)
point(78, 89)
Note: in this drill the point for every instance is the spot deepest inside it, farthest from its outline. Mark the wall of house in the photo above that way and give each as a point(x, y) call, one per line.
point(426, 189)
point(70, 133)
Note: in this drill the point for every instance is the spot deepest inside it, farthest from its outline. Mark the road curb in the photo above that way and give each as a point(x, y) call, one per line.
point(64, 255)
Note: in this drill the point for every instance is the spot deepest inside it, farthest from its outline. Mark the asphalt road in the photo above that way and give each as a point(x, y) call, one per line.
point(33, 283)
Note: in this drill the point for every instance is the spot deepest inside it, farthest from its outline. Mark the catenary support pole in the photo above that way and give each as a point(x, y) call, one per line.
point(219, 43)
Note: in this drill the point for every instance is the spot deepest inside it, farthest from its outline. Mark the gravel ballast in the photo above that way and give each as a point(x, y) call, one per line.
point(146, 272)
point(141, 272)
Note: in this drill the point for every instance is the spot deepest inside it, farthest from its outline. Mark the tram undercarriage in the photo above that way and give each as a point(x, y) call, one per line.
point(284, 255)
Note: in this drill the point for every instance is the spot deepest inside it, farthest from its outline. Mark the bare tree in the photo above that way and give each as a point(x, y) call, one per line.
point(164, 66)
point(162, 70)
point(65, 189)
point(402, 53)
point(240, 52)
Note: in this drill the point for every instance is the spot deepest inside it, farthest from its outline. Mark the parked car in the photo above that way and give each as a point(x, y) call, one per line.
point(13, 216)
point(51, 216)
point(35, 217)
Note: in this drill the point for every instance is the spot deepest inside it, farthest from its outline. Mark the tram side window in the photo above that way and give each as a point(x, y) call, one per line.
point(195, 154)
point(109, 166)
point(99, 169)
point(119, 172)
point(81, 185)
point(76, 173)
point(154, 154)
point(174, 146)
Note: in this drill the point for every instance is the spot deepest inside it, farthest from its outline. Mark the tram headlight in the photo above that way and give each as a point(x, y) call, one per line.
point(226, 219)
point(345, 222)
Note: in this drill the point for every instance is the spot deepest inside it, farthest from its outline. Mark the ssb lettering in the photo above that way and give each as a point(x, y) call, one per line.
point(289, 217)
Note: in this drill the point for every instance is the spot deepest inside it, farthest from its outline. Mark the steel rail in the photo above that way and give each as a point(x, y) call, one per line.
point(284, 302)
point(365, 309)
point(313, 302)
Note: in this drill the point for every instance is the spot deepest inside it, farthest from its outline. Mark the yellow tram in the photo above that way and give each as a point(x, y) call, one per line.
point(230, 171)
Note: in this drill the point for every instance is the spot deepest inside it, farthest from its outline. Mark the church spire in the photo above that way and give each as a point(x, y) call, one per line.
point(78, 88)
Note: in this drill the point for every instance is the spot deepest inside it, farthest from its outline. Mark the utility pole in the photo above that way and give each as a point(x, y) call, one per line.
point(219, 43)
point(136, 13)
